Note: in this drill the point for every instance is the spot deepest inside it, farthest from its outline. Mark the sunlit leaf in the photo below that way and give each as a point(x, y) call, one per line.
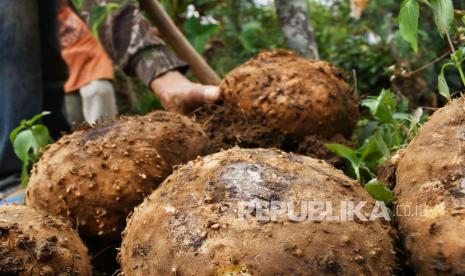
point(443, 11)
point(408, 22)
point(443, 87)
point(378, 191)
point(41, 134)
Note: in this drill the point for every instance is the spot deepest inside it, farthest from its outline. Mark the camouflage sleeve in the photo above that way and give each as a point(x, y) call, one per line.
point(131, 42)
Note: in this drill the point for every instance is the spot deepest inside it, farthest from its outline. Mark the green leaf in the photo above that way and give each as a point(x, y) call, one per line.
point(378, 191)
point(408, 22)
point(348, 154)
point(198, 34)
point(443, 15)
point(41, 134)
point(23, 143)
point(443, 87)
point(382, 107)
point(375, 151)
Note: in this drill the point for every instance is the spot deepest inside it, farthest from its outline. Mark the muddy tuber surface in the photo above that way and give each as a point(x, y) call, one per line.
point(430, 194)
point(34, 243)
point(277, 99)
point(96, 176)
point(190, 224)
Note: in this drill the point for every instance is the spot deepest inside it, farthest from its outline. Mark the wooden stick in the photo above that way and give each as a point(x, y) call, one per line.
point(173, 36)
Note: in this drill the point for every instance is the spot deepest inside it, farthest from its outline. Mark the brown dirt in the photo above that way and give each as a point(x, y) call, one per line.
point(189, 225)
point(34, 243)
point(227, 128)
point(431, 184)
point(96, 176)
point(386, 173)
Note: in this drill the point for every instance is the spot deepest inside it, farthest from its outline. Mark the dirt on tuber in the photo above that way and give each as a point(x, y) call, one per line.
point(190, 224)
point(96, 176)
point(35, 243)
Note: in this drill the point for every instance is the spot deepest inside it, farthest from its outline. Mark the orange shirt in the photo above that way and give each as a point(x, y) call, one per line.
point(86, 59)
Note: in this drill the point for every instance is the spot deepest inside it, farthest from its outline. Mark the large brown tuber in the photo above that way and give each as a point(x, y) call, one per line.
point(430, 194)
point(34, 243)
point(96, 176)
point(278, 99)
point(190, 224)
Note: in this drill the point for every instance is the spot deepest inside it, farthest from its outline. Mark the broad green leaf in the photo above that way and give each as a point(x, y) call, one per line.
point(378, 191)
point(23, 144)
point(443, 87)
point(382, 107)
point(408, 22)
point(348, 154)
point(41, 134)
point(443, 15)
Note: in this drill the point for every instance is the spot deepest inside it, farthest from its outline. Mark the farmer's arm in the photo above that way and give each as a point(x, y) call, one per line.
point(133, 45)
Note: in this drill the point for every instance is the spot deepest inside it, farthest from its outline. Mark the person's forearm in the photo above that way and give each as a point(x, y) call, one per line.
point(151, 63)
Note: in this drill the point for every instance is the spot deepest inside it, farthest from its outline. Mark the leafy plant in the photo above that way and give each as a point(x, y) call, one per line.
point(28, 139)
point(443, 12)
point(390, 128)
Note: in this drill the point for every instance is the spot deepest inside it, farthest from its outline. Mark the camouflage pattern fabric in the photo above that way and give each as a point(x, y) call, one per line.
point(132, 43)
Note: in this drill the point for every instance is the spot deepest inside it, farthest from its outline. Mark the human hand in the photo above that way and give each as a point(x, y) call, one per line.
point(180, 95)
